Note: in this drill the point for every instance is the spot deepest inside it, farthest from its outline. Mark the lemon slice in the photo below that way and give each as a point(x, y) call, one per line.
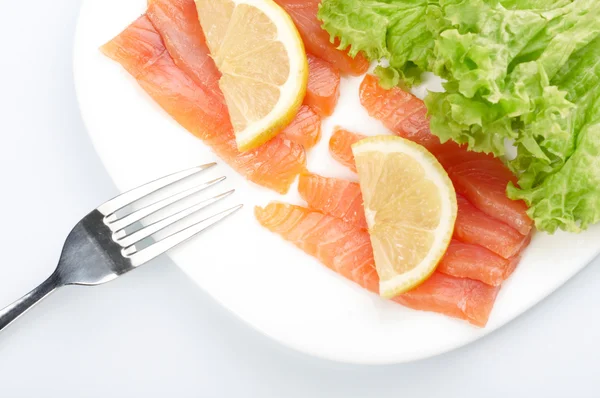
point(264, 69)
point(410, 206)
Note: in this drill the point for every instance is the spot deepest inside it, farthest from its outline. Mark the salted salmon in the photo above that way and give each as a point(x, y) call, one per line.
point(343, 199)
point(466, 260)
point(472, 225)
point(333, 196)
point(406, 115)
point(323, 89)
point(481, 178)
point(340, 147)
point(177, 22)
point(141, 51)
point(305, 128)
point(316, 40)
point(456, 297)
point(484, 183)
point(346, 249)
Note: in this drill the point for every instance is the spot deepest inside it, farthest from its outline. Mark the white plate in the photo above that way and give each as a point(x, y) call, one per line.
point(268, 283)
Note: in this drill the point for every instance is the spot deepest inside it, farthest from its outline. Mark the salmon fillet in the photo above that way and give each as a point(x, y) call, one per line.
point(323, 89)
point(346, 249)
point(340, 147)
point(343, 199)
point(448, 154)
point(472, 225)
point(305, 128)
point(465, 260)
point(484, 183)
point(456, 297)
point(316, 40)
point(141, 51)
point(177, 22)
point(406, 116)
point(333, 196)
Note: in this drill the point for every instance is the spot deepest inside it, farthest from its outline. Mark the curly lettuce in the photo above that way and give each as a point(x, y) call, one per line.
point(527, 71)
point(569, 199)
point(395, 30)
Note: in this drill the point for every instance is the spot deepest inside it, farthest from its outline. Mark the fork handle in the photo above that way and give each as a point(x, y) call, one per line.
point(21, 306)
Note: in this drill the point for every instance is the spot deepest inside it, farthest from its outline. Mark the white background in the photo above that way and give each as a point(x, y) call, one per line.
point(152, 333)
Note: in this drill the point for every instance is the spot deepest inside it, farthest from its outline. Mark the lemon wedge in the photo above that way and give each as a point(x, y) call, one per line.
point(410, 206)
point(260, 54)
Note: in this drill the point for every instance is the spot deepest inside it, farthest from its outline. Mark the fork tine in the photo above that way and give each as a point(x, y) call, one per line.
point(158, 248)
point(129, 197)
point(128, 240)
point(118, 224)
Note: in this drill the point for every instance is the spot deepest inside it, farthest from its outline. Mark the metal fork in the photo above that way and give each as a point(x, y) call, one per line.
point(100, 248)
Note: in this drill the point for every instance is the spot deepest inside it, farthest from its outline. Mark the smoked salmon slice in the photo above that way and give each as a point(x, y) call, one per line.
point(456, 297)
point(316, 40)
point(484, 183)
point(141, 51)
point(323, 88)
point(340, 147)
point(465, 260)
point(177, 23)
point(343, 199)
point(333, 196)
point(401, 112)
point(481, 178)
point(305, 128)
point(472, 225)
point(346, 249)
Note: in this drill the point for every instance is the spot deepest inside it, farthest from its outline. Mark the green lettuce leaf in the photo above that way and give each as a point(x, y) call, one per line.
point(534, 4)
point(570, 198)
point(568, 103)
point(510, 57)
point(482, 41)
point(395, 30)
point(468, 121)
point(526, 71)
